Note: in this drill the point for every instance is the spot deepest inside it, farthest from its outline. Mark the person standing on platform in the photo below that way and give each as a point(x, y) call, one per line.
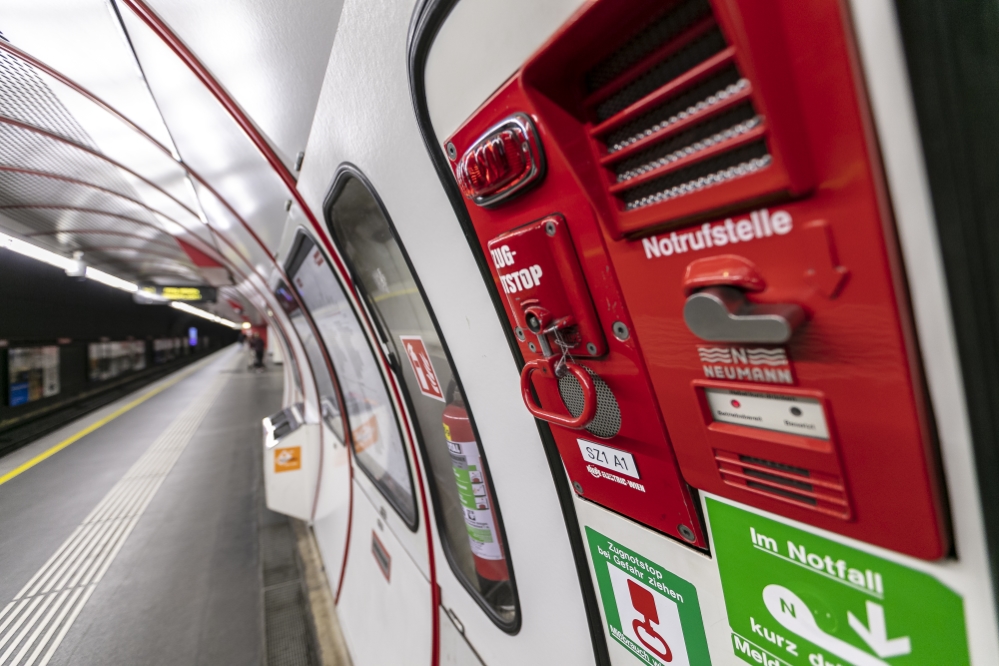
point(257, 345)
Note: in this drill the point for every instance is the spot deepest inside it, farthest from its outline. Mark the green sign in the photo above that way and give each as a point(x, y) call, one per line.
point(794, 598)
point(651, 612)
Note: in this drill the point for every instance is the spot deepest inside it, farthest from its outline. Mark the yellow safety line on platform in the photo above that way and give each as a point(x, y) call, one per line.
point(24, 467)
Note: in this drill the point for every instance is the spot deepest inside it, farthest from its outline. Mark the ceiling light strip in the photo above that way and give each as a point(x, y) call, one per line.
point(204, 314)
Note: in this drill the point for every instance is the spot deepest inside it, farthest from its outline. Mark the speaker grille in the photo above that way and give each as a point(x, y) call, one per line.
point(810, 489)
point(607, 421)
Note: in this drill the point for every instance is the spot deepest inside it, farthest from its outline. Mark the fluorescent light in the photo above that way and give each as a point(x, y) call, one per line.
point(111, 280)
point(247, 324)
point(198, 312)
point(65, 263)
point(35, 252)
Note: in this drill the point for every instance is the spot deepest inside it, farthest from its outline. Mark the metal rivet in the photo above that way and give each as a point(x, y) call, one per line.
point(621, 331)
point(530, 345)
point(550, 228)
point(591, 349)
point(452, 152)
point(686, 533)
point(520, 333)
point(578, 486)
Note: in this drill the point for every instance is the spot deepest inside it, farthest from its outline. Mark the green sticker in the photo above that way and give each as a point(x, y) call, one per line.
point(653, 613)
point(794, 598)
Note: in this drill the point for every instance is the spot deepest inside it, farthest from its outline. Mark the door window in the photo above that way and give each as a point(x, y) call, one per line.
point(324, 383)
point(468, 519)
point(374, 430)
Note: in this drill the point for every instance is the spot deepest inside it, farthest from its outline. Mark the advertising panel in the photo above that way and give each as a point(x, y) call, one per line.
point(33, 374)
point(111, 359)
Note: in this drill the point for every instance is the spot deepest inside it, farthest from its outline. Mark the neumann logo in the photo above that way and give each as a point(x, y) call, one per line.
point(748, 364)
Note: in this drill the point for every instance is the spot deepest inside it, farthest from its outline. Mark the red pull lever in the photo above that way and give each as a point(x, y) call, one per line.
point(547, 365)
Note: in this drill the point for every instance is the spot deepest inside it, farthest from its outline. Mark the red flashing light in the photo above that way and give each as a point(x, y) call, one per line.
point(502, 162)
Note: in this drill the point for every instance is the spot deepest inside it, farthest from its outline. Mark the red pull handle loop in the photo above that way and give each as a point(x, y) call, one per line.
point(547, 365)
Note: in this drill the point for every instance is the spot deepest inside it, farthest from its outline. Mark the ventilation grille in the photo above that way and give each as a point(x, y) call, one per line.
point(804, 488)
point(671, 112)
point(607, 421)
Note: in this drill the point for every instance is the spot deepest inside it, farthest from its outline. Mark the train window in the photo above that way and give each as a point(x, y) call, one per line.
point(375, 434)
point(324, 383)
point(467, 515)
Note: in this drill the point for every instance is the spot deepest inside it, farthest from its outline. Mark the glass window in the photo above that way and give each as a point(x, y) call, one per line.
point(466, 505)
point(324, 383)
point(374, 430)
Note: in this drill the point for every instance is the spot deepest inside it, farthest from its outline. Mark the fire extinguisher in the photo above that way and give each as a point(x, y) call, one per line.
point(476, 501)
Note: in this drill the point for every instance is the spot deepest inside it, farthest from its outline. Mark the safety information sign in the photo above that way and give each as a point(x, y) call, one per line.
point(419, 358)
point(797, 599)
point(653, 613)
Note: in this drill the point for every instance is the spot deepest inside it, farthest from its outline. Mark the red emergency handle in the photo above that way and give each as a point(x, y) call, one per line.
point(547, 365)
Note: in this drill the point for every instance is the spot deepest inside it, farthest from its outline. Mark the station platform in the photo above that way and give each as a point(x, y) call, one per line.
point(138, 534)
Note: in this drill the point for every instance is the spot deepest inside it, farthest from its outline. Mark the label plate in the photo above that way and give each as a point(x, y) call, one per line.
point(769, 411)
point(615, 460)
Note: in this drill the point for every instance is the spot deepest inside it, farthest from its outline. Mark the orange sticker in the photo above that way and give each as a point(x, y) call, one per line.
point(287, 459)
point(366, 434)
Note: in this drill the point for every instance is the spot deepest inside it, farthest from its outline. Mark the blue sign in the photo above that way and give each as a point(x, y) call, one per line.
point(192, 337)
point(18, 394)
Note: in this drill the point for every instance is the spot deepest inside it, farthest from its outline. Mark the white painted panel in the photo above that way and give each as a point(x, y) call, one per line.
point(383, 621)
point(455, 650)
point(884, 67)
point(365, 116)
point(291, 471)
point(332, 513)
point(693, 566)
point(413, 542)
point(482, 43)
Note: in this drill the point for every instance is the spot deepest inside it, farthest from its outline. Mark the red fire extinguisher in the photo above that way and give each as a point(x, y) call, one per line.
point(476, 499)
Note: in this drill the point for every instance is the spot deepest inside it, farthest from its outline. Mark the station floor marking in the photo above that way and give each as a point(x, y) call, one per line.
point(48, 453)
point(52, 599)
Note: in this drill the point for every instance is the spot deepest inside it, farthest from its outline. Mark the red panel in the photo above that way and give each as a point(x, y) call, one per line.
point(811, 224)
point(662, 499)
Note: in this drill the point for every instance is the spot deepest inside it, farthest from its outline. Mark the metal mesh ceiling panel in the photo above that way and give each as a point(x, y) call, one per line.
point(67, 199)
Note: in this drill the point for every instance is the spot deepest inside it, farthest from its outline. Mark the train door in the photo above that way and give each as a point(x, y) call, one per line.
point(382, 584)
point(330, 506)
point(681, 208)
point(468, 519)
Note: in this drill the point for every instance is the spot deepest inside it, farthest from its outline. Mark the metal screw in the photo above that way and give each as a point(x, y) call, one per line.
point(578, 486)
point(520, 333)
point(621, 331)
point(452, 152)
point(591, 349)
point(686, 533)
point(530, 345)
point(550, 228)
